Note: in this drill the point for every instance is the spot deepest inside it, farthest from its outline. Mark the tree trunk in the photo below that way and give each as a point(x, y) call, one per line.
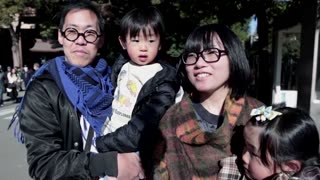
point(15, 48)
point(306, 62)
point(265, 69)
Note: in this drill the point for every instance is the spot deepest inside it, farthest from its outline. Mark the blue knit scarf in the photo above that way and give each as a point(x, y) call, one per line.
point(88, 89)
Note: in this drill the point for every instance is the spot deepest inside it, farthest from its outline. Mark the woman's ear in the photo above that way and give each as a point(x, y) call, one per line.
point(122, 43)
point(291, 166)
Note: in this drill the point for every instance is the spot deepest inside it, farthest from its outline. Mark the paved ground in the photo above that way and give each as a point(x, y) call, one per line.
point(13, 164)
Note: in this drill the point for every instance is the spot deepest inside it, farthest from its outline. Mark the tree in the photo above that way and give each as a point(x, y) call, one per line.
point(181, 17)
point(12, 14)
point(9, 18)
point(271, 15)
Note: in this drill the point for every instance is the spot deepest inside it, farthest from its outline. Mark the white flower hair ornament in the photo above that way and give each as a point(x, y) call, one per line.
point(263, 113)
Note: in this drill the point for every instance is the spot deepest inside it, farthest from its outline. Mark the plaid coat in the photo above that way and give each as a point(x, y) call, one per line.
point(187, 152)
point(229, 169)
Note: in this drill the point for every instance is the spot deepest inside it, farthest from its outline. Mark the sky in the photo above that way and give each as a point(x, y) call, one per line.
point(253, 25)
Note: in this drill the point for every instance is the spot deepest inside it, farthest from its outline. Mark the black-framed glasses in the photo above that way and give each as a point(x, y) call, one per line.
point(71, 34)
point(210, 55)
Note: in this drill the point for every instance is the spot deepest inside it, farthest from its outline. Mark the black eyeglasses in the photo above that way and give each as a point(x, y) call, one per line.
point(210, 55)
point(71, 34)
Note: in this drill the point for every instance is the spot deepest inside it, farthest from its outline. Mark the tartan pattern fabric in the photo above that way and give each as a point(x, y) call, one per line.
point(229, 169)
point(187, 152)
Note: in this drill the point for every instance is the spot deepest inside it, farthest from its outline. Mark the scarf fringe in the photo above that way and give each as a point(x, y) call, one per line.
point(15, 118)
point(16, 131)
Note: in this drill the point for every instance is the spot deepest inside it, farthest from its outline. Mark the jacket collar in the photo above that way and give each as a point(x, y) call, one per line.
point(190, 131)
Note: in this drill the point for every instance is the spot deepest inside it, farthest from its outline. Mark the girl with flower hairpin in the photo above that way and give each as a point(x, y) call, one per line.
point(281, 144)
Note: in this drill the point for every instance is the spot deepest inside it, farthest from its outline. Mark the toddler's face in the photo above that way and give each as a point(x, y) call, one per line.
point(253, 166)
point(143, 48)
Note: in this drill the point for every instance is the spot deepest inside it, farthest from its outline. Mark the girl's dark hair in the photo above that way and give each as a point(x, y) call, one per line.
point(290, 136)
point(82, 5)
point(140, 19)
point(202, 38)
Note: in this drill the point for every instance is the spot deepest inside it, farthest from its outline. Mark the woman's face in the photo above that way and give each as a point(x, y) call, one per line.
point(210, 77)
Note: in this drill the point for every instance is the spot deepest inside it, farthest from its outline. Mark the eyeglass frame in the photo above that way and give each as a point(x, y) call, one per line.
point(221, 53)
point(63, 33)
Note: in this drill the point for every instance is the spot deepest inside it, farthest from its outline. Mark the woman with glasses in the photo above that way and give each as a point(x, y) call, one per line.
point(198, 131)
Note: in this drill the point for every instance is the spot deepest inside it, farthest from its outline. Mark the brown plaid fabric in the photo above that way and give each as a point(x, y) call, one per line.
point(187, 152)
point(229, 169)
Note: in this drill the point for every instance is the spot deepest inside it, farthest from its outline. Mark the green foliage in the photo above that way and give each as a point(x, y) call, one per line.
point(47, 31)
point(181, 16)
point(8, 9)
point(291, 46)
point(241, 30)
point(176, 45)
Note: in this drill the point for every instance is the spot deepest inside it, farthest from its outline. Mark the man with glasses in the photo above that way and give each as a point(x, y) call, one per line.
point(66, 104)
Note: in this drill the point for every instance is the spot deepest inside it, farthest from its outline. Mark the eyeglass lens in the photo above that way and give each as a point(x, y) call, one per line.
point(72, 34)
point(209, 55)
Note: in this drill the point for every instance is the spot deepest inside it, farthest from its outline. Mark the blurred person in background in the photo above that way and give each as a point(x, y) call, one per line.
point(12, 84)
point(2, 88)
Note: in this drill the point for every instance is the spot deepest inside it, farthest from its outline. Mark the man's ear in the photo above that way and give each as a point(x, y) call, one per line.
point(122, 43)
point(101, 41)
point(291, 166)
point(60, 38)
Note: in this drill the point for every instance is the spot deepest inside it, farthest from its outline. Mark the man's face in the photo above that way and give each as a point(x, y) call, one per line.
point(79, 52)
